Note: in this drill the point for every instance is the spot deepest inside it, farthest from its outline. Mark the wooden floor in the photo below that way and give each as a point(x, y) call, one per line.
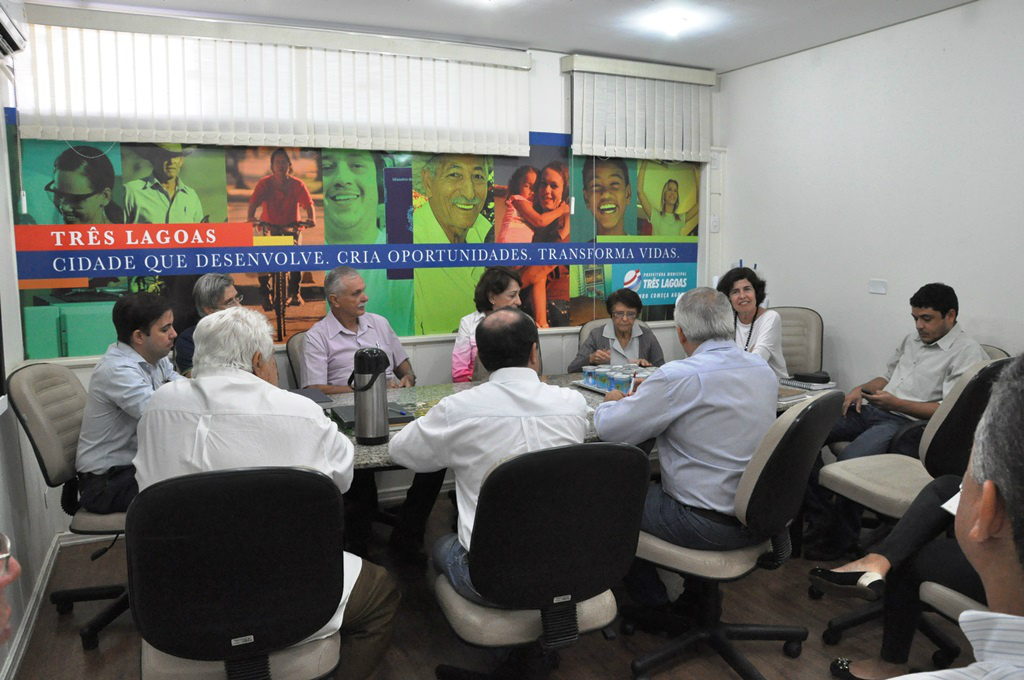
point(423, 639)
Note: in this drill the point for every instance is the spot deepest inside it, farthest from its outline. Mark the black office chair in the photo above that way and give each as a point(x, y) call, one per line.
point(767, 499)
point(49, 402)
point(554, 530)
point(228, 570)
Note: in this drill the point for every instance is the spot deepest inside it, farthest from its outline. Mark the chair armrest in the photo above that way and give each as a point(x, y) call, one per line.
point(904, 433)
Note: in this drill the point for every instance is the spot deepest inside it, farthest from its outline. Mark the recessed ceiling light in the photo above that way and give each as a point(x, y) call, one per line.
point(670, 20)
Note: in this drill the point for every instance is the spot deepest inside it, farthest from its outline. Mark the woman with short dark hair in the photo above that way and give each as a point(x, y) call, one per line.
point(623, 340)
point(498, 287)
point(758, 330)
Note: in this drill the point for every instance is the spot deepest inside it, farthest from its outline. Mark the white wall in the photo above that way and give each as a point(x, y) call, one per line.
point(894, 155)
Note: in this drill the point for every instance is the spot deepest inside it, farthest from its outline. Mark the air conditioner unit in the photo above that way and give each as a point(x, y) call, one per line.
point(12, 27)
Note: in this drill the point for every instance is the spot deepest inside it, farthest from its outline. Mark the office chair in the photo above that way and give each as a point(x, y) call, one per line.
point(767, 499)
point(554, 530)
point(950, 604)
point(802, 333)
point(49, 402)
point(888, 483)
point(296, 345)
point(229, 571)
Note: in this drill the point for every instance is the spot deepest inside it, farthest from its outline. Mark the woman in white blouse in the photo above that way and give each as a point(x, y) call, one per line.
point(758, 330)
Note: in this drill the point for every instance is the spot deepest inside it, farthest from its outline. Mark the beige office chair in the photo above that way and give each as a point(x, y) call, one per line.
point(49, 401)
point(802, 333)
point(586, 328)
point(767, 499)
point(888, 483)
point(554, 531)
point(296, 345)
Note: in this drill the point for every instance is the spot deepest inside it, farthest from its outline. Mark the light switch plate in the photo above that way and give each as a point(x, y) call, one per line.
point(878, 286)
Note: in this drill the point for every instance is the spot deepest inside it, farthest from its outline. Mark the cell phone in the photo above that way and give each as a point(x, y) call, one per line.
point(870, 393)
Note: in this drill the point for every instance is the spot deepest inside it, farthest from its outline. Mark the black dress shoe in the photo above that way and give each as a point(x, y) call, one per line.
point(840, 668)
point(867, 585)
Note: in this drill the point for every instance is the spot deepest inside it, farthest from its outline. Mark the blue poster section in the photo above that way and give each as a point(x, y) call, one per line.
point(175, 261)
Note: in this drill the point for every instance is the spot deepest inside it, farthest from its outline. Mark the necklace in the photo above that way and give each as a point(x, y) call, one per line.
point(750, 333)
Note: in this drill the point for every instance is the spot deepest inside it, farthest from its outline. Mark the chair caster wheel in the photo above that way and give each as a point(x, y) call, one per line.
point(831, 636)
point(65, 607)
point(627, 628)
point(943, 658)
point(792, 648)
point(90, 641)
point(814, 593)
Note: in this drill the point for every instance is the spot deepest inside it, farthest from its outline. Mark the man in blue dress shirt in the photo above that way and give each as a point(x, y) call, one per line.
point(709, 413)
point(121, 386)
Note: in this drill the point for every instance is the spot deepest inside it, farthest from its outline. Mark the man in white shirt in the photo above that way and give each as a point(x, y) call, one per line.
point(920, 373)
point(468, 432)
point(990, 530)
point(121, 385)
point(232, 415)
point(709, 413)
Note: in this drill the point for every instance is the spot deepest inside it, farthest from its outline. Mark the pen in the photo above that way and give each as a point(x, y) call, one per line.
point(398, 411)
point(632, 384)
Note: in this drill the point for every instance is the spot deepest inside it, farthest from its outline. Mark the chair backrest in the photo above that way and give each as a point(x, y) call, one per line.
point(558, 524)
point(947, 439)
point(589, 326)
point(235, 564)
point(49, 400)
point(771, 489)
point(295, 347)
point(802, 333)
point(995, 352)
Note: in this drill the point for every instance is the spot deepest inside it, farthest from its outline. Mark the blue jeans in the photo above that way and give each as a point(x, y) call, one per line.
point(452, 560)
point(670, 520)
point(869, 432)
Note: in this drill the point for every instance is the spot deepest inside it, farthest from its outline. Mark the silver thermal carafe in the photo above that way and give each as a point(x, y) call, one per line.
point(370, 384)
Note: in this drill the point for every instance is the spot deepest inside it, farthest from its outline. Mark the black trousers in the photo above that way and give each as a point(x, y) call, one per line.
point(411, 520)
point(919, 551)
point(109, 492)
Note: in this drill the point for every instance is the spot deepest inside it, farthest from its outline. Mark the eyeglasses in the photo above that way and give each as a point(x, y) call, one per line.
point(71, 200)
point(232, 302)
point(624, 315)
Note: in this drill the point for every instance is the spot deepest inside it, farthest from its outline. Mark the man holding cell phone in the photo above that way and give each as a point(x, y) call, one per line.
point(925, 366)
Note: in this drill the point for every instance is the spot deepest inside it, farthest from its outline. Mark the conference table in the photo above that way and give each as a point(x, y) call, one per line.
point(417, 400)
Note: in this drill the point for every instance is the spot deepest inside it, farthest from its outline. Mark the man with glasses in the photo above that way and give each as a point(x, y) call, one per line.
point(212, 293)
point(623, 341)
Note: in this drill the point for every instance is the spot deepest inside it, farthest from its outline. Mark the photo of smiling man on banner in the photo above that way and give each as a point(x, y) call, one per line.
point(456, 189)
point(354, 201)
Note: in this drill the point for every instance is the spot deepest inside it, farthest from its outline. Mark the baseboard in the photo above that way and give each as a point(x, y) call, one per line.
point(19, 642)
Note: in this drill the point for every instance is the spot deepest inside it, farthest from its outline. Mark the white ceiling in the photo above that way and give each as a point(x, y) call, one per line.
point(736, 33)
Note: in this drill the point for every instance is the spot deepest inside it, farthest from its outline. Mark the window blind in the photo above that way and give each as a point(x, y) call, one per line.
point(100, 85)
point(634, 117)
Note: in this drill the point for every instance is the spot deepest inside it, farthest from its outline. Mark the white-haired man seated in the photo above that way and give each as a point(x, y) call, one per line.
point(232, 415)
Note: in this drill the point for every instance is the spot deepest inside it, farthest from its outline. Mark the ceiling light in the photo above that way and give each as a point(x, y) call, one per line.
point(670, 20)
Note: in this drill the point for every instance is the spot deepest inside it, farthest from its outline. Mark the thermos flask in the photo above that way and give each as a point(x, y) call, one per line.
point(370, 384)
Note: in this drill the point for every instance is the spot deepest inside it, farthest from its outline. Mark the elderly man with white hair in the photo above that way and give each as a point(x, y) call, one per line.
point(232, 415)
point(709, 413)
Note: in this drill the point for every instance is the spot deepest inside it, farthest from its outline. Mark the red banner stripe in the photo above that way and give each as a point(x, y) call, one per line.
point(33, 237)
